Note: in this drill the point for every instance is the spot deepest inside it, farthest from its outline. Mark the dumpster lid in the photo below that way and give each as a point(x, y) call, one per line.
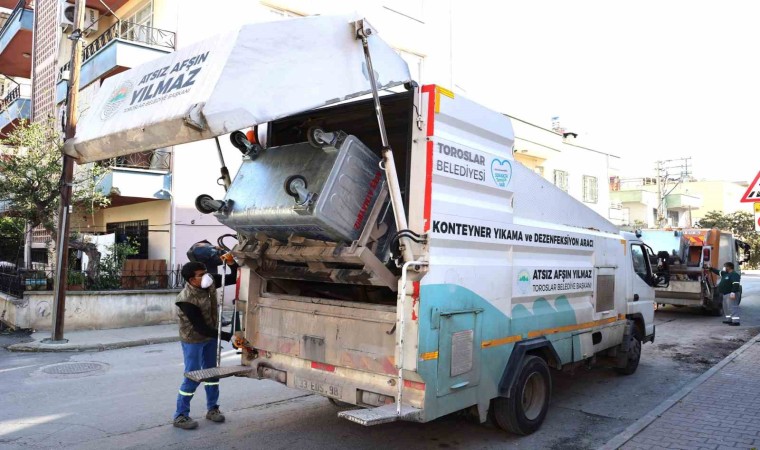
point(235, 80)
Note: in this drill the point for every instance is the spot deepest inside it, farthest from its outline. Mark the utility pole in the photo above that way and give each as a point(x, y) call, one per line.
point(62, 260)
point(666, 172)
point(658, 219)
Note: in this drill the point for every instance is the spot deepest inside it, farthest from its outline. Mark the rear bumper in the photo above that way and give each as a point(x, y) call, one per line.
point(347, 385)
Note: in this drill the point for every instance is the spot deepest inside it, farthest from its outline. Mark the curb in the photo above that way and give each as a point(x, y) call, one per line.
point(638, 426)
point(40, 347)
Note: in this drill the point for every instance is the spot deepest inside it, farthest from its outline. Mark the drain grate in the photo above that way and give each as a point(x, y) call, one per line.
point(74, 368)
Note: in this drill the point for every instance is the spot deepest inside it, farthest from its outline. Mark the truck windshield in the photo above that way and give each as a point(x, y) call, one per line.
point(639, 261)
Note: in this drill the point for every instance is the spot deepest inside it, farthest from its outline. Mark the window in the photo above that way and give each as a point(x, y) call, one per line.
point(560, 179)
point(673, 218)
point(726, 250)
point(137, 26)
point(640, 265)
point(590, 189)
point(136, 230)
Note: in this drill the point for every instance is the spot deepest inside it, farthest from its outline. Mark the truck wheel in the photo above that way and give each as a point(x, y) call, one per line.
point(717, 306)
point(634, 354)
point(524, 412)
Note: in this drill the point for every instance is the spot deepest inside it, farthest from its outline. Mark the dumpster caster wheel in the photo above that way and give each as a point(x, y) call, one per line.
point(340, 404)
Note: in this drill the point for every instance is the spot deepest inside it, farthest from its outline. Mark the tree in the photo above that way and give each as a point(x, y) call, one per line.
point(31, 165)
point(741, 224)
point(11, 240)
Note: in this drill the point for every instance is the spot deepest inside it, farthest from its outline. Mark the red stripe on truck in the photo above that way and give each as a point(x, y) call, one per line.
point(430, 90)
point(322, 366)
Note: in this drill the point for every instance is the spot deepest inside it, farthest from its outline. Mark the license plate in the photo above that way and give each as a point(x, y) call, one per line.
point(318, 387)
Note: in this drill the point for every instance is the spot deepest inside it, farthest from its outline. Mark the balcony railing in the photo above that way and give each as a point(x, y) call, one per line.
point(15, 282)
point(128, 31)
point(20, 6)
point(41, 236)
point(152, 160)
point(23, 90)
point(13, 94)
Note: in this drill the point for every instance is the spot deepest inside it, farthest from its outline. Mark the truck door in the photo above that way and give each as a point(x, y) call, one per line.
point(459, 344)
point(642, 269)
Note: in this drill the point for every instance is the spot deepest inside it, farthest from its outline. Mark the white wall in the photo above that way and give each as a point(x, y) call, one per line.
point(157, 215)
point(91, 310)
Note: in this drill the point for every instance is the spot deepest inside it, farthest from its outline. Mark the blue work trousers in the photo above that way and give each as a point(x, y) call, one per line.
point(198, 356)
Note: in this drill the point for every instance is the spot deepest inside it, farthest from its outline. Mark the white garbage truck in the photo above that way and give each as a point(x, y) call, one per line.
point(394, 254)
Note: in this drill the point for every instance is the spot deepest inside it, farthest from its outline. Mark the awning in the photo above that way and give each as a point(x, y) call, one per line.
point(253, 75)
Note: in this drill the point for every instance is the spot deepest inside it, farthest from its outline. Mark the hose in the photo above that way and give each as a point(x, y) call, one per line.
point(220, 241)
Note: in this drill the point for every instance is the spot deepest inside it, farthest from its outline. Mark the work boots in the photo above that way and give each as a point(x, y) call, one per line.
point(185, 423)
point(215, 415)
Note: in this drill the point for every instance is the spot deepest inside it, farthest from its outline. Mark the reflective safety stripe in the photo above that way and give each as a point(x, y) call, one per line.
point(186, 394)
point(212, 383)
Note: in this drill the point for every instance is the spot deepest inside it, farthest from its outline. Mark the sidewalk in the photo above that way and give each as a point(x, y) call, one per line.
point(718, 410)
point(99, 340)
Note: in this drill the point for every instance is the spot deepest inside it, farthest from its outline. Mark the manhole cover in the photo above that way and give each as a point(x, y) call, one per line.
point(74, 368)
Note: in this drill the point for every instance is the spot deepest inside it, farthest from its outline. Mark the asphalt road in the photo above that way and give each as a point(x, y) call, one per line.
point(129, 400)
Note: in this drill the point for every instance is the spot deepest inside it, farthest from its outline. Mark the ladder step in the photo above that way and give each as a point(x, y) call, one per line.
point(382, 414)
point(218, 372)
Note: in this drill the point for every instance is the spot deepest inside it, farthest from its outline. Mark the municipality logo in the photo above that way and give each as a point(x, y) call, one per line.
point(116, 99)
point(501, 171)
point(523, 282)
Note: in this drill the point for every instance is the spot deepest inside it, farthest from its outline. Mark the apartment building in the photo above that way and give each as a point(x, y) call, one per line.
point(582, 172)
point(153, 193)
point(684, 203)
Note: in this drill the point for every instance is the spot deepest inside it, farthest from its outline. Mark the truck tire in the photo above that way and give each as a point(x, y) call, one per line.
point(634, 354)
point(524, 411)
point(716, 309)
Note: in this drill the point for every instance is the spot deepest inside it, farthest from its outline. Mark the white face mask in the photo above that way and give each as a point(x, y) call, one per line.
point(207, 281)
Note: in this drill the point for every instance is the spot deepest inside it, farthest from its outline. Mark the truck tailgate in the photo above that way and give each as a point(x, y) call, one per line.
point(348, 334)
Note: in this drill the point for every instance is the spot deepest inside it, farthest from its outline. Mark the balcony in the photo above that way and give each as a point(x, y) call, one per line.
point(122, 46)
point(136, 178)
point(683, 202)
point(618, 214)
point(638, 196)
point(14, 107)
point(94, 4)
point(16, 41)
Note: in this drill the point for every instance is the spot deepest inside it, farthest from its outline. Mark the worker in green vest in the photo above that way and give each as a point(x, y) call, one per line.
point(730, 287)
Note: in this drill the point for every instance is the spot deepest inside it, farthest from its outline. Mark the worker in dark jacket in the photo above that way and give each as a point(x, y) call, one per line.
point(198, 317)
point(730, 287)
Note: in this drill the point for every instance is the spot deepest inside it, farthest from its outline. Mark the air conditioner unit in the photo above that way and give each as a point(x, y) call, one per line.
point(91, 17)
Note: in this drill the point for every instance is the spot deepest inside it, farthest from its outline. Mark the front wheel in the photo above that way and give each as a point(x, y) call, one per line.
point(524, 412)
point(633, 355)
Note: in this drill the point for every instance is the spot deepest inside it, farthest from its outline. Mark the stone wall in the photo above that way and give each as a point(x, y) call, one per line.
point(90, 310)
